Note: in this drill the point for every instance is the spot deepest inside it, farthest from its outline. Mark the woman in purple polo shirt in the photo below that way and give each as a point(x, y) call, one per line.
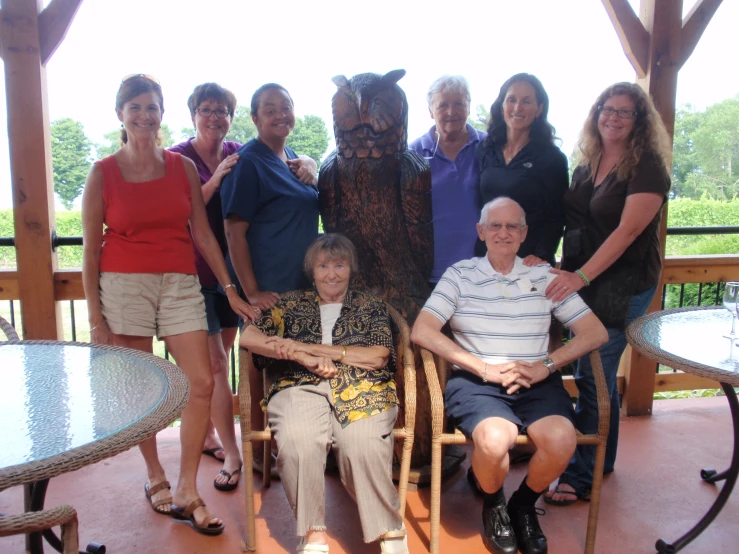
point(449, 148)
point(212, 109)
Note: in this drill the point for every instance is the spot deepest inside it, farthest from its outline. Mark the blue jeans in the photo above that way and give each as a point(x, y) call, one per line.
point(579, 474)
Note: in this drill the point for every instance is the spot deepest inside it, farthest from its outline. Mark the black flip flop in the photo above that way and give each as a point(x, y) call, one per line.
point(557, 490)
point(227, 486)
point(213, 451)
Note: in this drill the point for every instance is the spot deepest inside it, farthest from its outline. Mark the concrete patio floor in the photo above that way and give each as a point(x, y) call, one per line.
point(655, 492)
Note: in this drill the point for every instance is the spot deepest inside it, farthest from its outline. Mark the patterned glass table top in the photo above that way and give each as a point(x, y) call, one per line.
point(698, 337)
point(58, 397)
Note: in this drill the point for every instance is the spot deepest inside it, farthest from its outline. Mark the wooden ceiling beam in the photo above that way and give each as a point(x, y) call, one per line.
point(53, 24)
point(632, 34)
point(693, 26)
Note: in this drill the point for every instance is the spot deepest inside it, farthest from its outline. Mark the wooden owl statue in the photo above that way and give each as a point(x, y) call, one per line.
point(377, 192)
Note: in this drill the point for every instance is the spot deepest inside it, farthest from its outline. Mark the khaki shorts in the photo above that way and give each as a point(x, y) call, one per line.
point(148, 304)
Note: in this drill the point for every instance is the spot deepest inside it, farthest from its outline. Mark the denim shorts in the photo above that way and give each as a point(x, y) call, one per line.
point(218, 310)
point(148, 304)
point(468, 401)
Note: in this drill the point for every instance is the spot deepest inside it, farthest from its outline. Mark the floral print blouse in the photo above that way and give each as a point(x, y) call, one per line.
point(363, 321)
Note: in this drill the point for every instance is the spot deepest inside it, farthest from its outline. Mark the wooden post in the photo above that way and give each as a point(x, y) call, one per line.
point(30, 168)
point(670, 41)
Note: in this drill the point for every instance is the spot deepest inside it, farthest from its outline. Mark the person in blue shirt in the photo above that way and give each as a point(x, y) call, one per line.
point(270, 204)
point(449, 148)
point(270, 208)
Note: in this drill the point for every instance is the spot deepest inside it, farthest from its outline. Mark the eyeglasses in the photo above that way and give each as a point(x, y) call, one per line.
point(207, 112)
point(623, 114)
point(498, 227)
point(140, 76)
point(436, 147)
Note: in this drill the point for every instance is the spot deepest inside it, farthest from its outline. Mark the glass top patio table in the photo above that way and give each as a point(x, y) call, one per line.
point(692, 340)
point(66, 405)
point(688, 339)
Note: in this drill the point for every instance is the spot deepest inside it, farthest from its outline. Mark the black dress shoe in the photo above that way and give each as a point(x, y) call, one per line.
point(498, 534)
point(525, 523)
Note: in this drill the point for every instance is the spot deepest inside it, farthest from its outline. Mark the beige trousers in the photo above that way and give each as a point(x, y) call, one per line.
point(305, 427)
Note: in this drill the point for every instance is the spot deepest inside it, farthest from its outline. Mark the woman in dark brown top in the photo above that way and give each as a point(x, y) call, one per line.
point(611, 248)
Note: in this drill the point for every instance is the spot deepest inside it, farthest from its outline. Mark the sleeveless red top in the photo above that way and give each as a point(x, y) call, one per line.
point(147, 223)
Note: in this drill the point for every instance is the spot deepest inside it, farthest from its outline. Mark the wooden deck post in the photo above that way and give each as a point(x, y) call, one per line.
point(30, 168)
point(657, 44)
point(28, 38)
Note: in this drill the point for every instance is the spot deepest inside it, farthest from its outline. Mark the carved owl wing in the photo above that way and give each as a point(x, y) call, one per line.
point(329, 196)
point(415, 194)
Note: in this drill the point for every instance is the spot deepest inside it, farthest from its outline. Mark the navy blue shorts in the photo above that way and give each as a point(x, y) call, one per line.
point(468, 401)
point(218, 311)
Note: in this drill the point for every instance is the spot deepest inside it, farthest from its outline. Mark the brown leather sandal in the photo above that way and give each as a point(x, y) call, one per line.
point(186, 514)
point(156, 504)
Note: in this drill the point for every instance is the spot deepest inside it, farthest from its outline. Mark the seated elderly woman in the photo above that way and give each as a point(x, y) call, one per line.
point(336, 390)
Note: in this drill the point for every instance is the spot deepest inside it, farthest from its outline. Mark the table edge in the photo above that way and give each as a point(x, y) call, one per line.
point(169, 408)
point(635, 339)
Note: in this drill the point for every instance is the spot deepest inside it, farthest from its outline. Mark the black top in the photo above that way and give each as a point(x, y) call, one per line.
point(537, 179)
point(593, 213)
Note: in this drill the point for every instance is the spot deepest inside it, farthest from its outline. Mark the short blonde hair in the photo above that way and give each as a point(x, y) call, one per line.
point(336, 247)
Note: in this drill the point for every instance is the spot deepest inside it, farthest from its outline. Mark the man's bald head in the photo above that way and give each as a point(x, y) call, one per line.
point(500, 202)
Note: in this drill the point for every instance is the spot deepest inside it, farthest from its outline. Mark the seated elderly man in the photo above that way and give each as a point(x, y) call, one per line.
point(504, 380)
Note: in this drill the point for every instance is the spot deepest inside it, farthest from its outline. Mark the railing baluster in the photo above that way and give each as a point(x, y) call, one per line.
point(12, 314)
point(664, 295)
point(700, 293)
point(74, 323)
point(682, 295)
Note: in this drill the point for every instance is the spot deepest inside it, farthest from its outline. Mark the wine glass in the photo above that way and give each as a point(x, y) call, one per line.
point(731, 303)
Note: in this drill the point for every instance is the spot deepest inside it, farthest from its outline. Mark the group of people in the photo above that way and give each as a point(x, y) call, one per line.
point(188, 243)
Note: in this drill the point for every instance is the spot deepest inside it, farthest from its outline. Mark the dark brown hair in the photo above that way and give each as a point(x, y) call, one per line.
point(130, 88)
point(264, 88)
point(213, 92)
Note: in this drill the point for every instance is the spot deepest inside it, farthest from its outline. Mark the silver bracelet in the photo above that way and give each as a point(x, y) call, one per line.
point(230, 285)
point(485, 373)
point(98, 325)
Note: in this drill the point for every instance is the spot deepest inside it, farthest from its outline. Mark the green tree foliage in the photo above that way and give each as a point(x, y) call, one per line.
point(480, 120)
point(70, 158)
point(242, 127)
point(111, 144)
point(309, 137)
point(113, 141)
point(706, 151)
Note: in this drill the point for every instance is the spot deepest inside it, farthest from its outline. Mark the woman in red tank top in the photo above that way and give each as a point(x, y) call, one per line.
point(140, 279)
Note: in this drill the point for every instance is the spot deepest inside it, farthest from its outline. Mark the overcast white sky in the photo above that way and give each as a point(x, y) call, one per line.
point(569, 44)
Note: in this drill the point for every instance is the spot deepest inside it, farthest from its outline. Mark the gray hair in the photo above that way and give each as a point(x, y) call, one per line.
point(454, 83)
point(500, 201)
point(336, 247)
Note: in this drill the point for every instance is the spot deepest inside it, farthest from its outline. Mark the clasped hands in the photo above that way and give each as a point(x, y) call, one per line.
point(288, 349)
point(516, 374)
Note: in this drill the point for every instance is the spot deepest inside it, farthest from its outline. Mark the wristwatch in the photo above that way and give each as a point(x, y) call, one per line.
point(549, 364)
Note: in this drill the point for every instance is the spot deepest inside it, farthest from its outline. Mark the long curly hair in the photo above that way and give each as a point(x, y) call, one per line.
point(648, 135)
point(541, 130)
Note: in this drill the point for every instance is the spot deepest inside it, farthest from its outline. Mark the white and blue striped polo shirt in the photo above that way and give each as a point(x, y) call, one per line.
point(500, 318)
